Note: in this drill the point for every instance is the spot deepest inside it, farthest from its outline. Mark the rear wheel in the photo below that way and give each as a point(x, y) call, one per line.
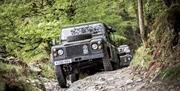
point(106, 60)
point(60, 74)
point(116, 64)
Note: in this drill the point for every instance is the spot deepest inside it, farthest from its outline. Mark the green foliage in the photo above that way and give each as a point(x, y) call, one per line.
point(22, 81)
point(118, 14)
point(13, 76)
point(8, 68)
point(27, 26)
point(164, 38)
point(142, 57)
point(47, 71)
point(171, 72)
point(152, 9)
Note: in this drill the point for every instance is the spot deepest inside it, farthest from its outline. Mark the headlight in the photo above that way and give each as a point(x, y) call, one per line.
point(126, 49)
point(85, 49)
point(60, 52)
point(55, 54)
point(94, 46)
point(100, 46)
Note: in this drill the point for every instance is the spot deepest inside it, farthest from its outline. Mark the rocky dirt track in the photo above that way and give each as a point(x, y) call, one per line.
point(124, 79)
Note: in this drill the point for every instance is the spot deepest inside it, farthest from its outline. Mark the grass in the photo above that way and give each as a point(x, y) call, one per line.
point(47, 71)
point(9, 67)
point(27, 86)
point(171, 72)
point(141, 57)
point(13, 76)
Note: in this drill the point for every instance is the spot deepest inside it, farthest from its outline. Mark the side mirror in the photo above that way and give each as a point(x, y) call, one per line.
point(53, 42)
point(111, 29)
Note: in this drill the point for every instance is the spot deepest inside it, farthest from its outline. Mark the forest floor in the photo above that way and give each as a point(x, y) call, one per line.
point(125, 79)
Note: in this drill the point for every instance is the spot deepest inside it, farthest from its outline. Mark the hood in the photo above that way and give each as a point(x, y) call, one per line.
point(65, 43)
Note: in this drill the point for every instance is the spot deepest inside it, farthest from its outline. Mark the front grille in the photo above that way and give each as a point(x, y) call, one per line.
point(75, 50)
point(79, 37)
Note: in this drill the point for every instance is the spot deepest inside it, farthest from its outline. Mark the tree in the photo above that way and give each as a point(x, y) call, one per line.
point(141, 21)
point(26, 26)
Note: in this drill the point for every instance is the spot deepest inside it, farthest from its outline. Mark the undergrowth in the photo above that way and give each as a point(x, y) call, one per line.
point(142, 57)
point(163, 48)
point(12, 81)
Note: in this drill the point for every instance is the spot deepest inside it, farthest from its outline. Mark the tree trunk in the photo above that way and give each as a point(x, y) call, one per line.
point(141, 21)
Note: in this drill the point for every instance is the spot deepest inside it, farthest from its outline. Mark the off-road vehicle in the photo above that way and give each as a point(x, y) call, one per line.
point(125, 55)
point(82, 46)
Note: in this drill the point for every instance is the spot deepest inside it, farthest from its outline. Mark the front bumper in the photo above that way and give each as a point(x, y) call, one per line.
point(125, 59)
point(79, 59)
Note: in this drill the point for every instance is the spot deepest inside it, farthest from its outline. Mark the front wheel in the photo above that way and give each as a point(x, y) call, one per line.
point(107, 65)
point(60, 74)
point(74, 77)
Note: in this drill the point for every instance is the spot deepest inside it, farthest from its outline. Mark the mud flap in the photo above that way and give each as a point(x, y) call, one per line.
point(106, 61)
point(107, 65)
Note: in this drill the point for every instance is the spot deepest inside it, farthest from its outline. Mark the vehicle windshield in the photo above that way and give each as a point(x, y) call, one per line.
point(97, 28)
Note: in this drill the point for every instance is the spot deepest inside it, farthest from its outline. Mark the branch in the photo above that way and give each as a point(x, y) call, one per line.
point(22, 43)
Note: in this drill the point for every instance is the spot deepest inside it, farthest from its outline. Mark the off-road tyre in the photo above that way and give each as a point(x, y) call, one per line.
point(60, 74)
point(74, 77)
point(107, 65)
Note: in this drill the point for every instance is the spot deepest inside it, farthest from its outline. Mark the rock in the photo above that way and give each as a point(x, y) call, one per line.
point(128, 81)
point(98, 87)
point(129, 86)
point(110, 78)
point(138, 80)
point(110, 81)
point(91, 88)
point(34, 68)
point(102, 79)
point(138, 87)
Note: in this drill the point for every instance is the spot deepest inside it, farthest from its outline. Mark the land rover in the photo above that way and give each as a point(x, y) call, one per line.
point(82, 46)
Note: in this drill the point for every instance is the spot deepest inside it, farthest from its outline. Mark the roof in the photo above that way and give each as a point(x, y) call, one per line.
point(81, 24)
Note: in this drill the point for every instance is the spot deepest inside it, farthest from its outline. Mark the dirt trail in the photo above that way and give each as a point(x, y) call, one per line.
point(118, 80)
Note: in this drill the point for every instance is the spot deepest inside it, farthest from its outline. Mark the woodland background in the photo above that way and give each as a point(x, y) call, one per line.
point(27, 28)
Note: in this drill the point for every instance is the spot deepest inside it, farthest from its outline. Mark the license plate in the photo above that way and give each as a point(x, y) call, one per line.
point(66, 61)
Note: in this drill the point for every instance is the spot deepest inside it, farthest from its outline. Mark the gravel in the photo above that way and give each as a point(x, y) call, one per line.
point(118, 80)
